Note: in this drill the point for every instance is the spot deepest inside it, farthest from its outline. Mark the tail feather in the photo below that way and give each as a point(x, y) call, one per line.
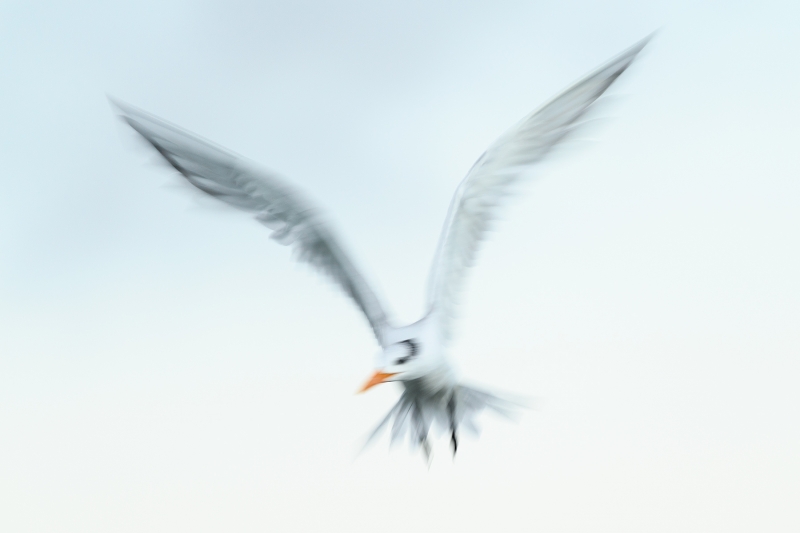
point(414, 415)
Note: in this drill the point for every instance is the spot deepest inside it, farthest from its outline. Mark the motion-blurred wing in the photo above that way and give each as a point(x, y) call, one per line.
point(479, 196)
point(232, 179)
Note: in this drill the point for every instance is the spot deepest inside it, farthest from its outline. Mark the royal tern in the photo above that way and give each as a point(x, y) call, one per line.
point(416, 354)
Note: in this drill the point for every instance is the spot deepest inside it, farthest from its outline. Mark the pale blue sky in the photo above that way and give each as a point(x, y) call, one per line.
point(165, 367)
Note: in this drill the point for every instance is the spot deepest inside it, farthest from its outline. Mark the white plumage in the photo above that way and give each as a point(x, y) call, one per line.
point(415, 354)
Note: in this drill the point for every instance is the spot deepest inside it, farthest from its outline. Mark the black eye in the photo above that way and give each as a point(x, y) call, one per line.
point(412, 351)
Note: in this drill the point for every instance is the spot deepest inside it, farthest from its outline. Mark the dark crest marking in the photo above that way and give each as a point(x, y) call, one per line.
point(413, 348)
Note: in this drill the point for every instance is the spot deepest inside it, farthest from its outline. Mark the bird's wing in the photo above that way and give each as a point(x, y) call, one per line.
point(237, 182)
point(481, 193)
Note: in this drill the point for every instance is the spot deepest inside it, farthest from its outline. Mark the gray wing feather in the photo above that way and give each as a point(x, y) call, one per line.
point(481, 193)
point(237, 182)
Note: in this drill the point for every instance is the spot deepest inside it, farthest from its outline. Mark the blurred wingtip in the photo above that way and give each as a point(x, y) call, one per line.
point(641, 43)
point(634, 50)
point(117, 105)
point(650, 36)
point(627, 56)
point(121, 109)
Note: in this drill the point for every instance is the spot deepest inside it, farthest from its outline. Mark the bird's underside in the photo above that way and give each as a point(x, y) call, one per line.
point(432, 396)
point(450, 410)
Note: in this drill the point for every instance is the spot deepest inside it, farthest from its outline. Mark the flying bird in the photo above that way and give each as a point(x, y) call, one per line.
point(414, 355)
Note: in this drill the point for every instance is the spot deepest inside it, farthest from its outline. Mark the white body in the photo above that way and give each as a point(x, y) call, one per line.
point(413, 354)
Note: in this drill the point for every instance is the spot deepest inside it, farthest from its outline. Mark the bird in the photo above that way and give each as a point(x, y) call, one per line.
point(415, 355)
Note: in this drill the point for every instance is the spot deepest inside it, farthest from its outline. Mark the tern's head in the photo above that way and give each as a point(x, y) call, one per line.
point(401, 361)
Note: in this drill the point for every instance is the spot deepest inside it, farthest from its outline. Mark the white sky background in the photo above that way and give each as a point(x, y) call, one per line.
point(165, 367)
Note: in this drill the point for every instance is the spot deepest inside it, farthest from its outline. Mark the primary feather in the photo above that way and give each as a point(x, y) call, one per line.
point(480, 195)
point(234, 180)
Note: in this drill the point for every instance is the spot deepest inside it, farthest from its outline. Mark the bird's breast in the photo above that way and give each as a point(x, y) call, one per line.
point(440, 378)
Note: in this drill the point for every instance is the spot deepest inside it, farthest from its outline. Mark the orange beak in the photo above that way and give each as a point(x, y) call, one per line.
point(376, 379)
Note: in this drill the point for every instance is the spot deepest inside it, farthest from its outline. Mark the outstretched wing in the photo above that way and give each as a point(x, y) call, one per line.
point(237, 182)
point(481, 193)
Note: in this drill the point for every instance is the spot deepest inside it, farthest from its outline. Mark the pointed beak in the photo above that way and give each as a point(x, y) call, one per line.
point(376, 379)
